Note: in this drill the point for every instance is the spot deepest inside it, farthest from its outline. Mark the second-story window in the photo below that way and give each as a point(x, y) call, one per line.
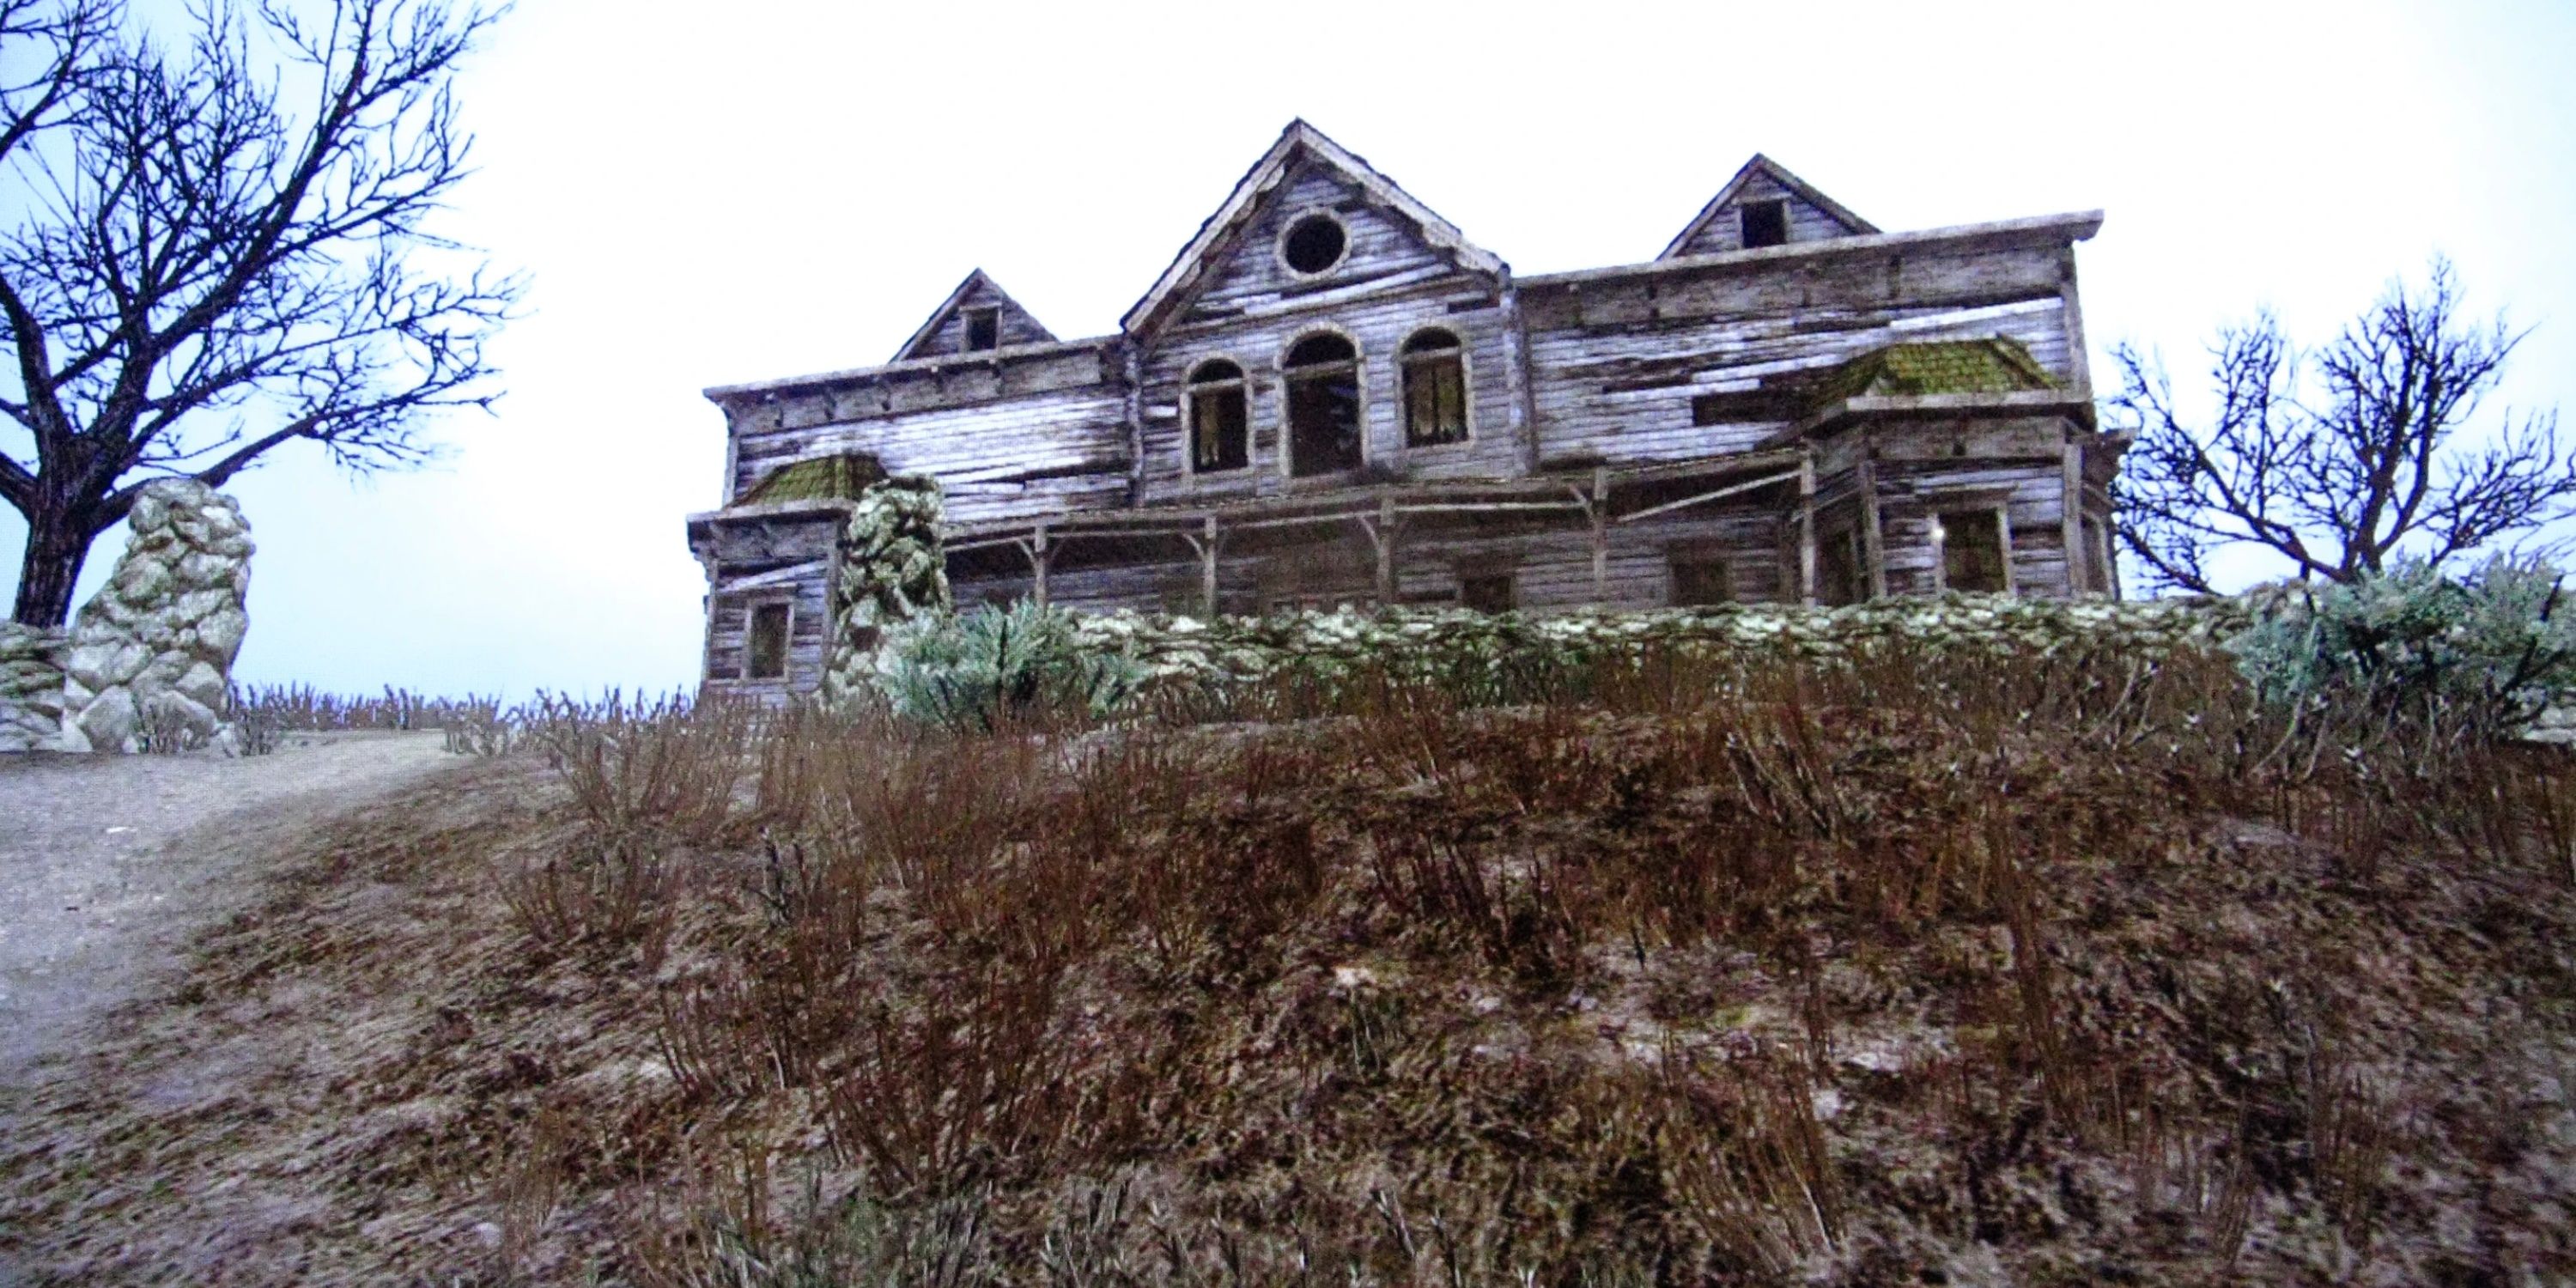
point(1323, 377)
point(983, 329)
point(1435, 389)
point(1220, 429)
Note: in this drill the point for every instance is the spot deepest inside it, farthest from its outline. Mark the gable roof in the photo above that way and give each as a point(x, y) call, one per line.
point(983, 290)
point(1779, 174)
point(1299, 141)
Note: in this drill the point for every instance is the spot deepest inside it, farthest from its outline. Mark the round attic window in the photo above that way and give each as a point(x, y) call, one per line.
point(1314, 243)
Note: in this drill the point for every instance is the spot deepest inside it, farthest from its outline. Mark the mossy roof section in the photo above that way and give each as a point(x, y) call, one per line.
point(1994, 365)
point(822, 478)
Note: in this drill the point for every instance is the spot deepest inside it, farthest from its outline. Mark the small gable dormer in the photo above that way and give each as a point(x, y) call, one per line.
point(978, 315)
point(1764, 205)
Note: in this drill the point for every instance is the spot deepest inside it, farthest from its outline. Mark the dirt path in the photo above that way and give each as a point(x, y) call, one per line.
point(107, 864)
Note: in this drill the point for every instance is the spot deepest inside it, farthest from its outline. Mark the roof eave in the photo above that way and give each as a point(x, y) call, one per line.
point(2071, 227)
point(916, 366)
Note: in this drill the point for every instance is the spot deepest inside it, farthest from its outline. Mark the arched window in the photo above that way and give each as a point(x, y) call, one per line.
point(1220, 425)
point(1435, 389)
point(1323, 377)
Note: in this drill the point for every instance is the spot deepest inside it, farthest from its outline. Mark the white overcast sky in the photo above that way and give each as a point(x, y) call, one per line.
point(705, 194)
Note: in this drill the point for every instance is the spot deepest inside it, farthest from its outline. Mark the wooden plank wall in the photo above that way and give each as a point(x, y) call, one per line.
point(1616, 362)
point(1006, 437)
point(1388, 286)
point(1012, 322)
point(1551, 566)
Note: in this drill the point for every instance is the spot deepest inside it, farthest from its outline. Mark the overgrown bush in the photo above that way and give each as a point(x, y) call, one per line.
point(997, 665)
point(2482, 655)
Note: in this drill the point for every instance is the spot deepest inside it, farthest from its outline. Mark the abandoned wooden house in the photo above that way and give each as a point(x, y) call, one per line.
point(1332, 396)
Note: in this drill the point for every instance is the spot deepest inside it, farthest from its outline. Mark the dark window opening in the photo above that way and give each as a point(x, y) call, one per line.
point(1766, 223)
point(983, 329)
point(1313, 244)
point(1435, 390)
point(1486, 592)
point(1972, 551)
point(2097, 556)
point(1323, 406)
point(1838, 568)
point(765, 657)
point(1700, 580)
point(1220, 420)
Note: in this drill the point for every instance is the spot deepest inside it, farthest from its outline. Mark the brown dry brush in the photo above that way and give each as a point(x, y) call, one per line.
point(1668, 969)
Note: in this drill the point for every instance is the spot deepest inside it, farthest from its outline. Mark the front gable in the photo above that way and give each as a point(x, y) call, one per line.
point(1802, 214)
point(1242, 257)
point(979, 310)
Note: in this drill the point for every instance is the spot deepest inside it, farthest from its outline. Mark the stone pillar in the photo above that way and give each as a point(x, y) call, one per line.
point(155, 649)
point(893, 568)
point(31, 687)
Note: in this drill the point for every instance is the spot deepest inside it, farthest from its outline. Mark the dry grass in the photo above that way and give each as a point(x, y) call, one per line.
point(1674, 971)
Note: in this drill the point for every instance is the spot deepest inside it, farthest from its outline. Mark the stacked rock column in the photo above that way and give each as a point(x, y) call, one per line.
point(31, 686)
point(893, 569)
point(152, 655)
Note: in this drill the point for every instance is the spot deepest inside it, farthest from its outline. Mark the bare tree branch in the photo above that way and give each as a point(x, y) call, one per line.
point(2338, 486)
point(230, 234)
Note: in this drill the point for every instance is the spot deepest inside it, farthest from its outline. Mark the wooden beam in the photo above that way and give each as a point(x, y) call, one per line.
point(2070, 519)
point(1873, 541)
point(1488, 507)
point(1705, 497)
point(1039, 557)
point(1600, 533)
point(1807, 528)
point(1207, 567)
point(1385, 535)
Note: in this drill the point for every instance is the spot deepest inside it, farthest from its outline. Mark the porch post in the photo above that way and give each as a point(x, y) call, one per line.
point(1207, 567)
point(1039, 557)
point(1807, 527)
point(1600, 535)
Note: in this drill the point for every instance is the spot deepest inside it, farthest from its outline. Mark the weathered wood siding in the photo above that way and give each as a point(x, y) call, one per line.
point(1014, 325)
point(1007, 437)
point(1807, 221)
point(1389, 285)
point(792, 562)
point(1617, 360)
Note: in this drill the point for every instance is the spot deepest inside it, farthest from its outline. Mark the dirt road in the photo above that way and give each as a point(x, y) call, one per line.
point(108, 863)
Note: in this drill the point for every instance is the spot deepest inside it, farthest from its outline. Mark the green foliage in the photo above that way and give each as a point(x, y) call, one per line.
point(996, 665)
point(2486, 653)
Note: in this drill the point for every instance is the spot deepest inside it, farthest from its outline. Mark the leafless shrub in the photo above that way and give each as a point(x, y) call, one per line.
point(604, 892)
point(664, 764)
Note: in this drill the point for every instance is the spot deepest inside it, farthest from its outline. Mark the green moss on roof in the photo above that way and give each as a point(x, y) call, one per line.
point(824, 478)
point(1990, 366)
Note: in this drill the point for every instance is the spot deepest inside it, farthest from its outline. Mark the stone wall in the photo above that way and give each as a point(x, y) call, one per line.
point(152, 655)
point(1247, 648)
point(31, 687)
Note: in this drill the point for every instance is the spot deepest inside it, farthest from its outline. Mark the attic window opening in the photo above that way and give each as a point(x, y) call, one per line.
point(1323, 378)
point(1435, 389)
point(983, 329)
point(1220, 426)
point(1766, 223)
point(1313, 243)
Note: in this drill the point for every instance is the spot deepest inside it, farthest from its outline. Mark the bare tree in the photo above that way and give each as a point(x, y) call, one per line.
point(2341, 484)
point(220, 250)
